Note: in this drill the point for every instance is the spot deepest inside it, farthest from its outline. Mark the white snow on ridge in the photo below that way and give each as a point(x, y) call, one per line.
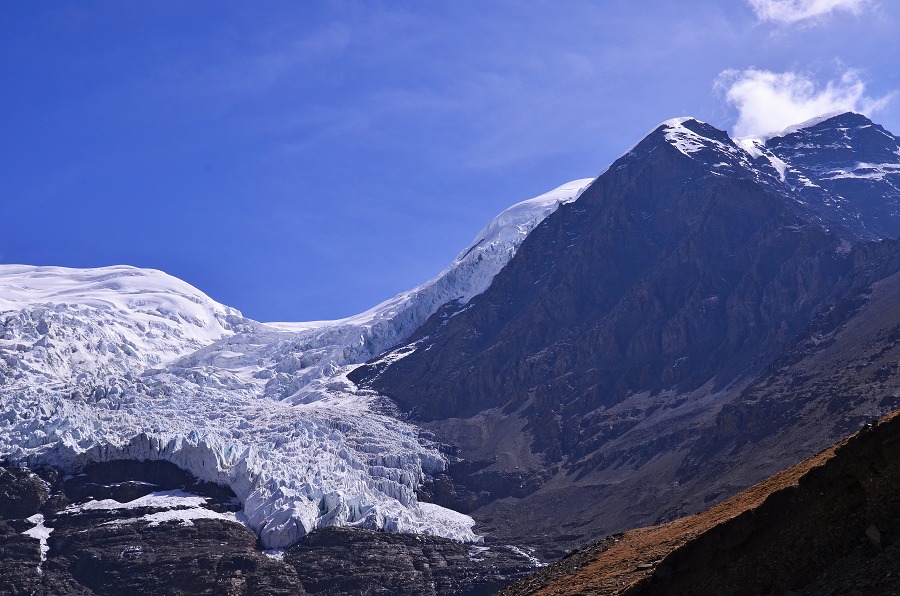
point(801, 125)
point(123, 363)
point(692, 143)
point(80, 325)
point(169, 499)
point(756, 147)
point(863, 170)
point(328, 345)
point(502, 235)
point(682, 138)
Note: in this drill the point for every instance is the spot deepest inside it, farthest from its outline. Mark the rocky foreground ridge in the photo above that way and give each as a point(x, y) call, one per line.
point(130, 528)
point(828, 525)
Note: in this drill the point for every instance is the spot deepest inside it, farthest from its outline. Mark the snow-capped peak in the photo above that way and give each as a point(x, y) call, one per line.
point(705, 143)
point(683, 137)
point(839, 169)
point(812, 122)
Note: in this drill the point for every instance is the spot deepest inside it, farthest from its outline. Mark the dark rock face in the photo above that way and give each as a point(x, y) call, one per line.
point(603, 369)
point(113, 551)
point(22, 493)
point(207, 557)
point(662, 275)
point(829, 525)
point(347, 561)
point(855, 162)
point(832, 376)
point(844, 514)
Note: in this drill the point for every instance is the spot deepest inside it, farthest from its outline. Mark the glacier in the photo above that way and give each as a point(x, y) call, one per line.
point(125, 363)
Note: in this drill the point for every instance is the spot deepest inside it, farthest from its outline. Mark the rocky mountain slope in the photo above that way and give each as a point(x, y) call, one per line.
point(828, 525)
point(604, 379)
point(615, 353)
point(106, 532)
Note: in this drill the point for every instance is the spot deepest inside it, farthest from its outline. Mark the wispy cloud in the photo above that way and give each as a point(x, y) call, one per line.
point(792, 11)
point(767, 101)
point(238, 73)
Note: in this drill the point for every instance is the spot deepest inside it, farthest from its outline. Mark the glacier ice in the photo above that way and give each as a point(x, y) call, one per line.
point(125, 363)
point(322, 347)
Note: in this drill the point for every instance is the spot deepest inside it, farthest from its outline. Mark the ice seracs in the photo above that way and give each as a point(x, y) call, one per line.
point(124, 363)
point(295, 467)
point(319, 349)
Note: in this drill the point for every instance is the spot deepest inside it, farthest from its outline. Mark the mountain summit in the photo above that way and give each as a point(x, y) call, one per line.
point(841, 170)
point(617, 352)
point(631, 317)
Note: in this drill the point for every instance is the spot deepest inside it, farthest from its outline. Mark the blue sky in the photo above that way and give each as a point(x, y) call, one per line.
point(306, 160)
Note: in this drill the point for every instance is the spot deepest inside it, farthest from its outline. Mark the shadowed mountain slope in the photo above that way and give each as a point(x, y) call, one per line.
point(830, 524)
point(589, 388)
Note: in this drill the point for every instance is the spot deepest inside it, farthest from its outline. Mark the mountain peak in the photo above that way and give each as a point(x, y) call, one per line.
point(839, 170)
point(694, 138)
point(686, 131)
point(840, 146)
point(828, 121)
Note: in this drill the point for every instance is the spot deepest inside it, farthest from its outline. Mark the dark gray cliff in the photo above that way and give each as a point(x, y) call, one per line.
point(128, 549)
point(664, 274)
point(848, 169)
point(604, 380)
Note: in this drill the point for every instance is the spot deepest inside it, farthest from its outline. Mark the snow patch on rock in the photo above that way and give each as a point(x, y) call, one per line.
point(169, 499)
point(41, 533)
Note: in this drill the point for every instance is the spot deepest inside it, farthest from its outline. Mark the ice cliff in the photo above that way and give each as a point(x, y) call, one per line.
point(125, 363)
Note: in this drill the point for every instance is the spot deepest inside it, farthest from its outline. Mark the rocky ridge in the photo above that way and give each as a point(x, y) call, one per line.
point(828, 525)
point(579, 391)
point(130, 527)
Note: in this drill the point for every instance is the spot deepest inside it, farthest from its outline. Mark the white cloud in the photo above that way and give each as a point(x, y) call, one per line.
point(793, 11)
point(770, 101)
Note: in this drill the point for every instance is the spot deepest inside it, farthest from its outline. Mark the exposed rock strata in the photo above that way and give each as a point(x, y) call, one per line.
point(95, 546)
point(614, 374)
point(829, 525)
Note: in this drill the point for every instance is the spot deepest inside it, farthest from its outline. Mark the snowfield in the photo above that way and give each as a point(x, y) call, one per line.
point(125, 363)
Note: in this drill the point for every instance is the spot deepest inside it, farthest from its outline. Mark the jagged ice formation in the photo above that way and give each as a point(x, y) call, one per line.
point(125, 363)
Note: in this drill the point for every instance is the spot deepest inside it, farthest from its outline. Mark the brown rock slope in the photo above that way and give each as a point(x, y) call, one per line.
point(829, 525)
